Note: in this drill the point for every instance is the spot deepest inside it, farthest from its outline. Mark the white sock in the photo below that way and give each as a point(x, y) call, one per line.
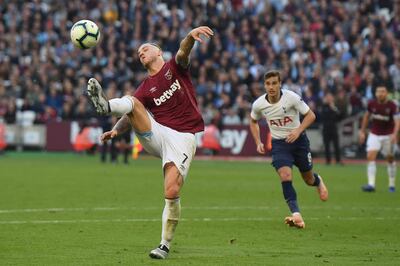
point(121, 106)
point(170, 218)
point(391, 169)
point(371, 171)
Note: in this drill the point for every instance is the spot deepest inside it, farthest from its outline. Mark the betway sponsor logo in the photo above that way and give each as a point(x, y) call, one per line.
point(232, 139)
point(380, 117)
point(168, 93)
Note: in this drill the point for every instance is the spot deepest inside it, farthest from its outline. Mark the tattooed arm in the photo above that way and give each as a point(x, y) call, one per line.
point(182, 56)
point(120, 127)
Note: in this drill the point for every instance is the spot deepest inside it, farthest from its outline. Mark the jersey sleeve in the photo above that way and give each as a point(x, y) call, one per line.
point(140, 95)
point(395, 111)
point(255, 112)
point(299, 104)
point(177, 66)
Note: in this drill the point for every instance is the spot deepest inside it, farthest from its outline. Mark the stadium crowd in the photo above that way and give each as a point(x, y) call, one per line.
point(343, 47)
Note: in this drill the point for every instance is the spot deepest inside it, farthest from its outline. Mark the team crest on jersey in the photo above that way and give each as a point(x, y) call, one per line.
point(168, 74)
point(284, 109)
point(387, 110)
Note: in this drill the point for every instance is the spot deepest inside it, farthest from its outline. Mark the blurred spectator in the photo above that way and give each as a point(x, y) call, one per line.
point(10, 115)
point(342, 103)
point(108, 147)
point(319, 45)
point(124, 145)
point(394, 71)
point(48, 114)
point(54, 99)
point(355, 101)
point(66, 112)
point(329, 116)
point(231, 118)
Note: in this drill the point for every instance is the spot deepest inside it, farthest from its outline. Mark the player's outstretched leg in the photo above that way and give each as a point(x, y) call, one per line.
point(129, 105)
point(103, 106)
point(321, 187)
point(97, 97)
point(314, 179)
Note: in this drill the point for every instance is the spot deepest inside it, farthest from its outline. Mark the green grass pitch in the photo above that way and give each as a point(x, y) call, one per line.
point(68, 209)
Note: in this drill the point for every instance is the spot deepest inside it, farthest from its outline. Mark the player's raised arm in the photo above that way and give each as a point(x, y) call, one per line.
point(364, 124)
point(255, 132)
point(182, 56)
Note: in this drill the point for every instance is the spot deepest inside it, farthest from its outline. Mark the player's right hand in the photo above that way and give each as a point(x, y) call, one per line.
point(196, 33)
point(260, 148)
point(361, 137)
point(108, 135)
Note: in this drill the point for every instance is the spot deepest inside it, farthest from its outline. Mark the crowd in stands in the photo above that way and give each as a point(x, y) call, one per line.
point(343, 47)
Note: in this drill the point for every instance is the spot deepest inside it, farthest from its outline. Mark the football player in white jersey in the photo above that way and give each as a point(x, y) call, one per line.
point(290, 144)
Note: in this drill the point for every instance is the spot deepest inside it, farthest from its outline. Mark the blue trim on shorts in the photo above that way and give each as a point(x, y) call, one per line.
point(145, 134)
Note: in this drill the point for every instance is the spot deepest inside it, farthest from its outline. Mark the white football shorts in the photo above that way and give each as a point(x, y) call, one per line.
point(380, 143)
point(169, 145)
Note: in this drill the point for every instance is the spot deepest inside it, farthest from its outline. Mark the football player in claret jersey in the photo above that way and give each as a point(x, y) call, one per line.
point(164, 115)
point(290, 145)
point(382, 137)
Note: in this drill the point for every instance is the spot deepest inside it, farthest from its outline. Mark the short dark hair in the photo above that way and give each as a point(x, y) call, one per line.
point(272, 73)
point(380, 85)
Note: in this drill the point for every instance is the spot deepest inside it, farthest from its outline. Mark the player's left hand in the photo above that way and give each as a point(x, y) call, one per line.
point(203, 30)
point(260, 148)
point(108, 135)
point(293, 135)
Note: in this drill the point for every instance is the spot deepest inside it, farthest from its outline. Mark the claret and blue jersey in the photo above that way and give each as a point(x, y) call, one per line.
point(170, 96)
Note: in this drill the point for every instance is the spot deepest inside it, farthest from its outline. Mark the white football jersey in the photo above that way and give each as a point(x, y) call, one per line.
point(283, 116)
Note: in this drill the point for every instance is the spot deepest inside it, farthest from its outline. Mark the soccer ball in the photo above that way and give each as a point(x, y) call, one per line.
point(85, 34)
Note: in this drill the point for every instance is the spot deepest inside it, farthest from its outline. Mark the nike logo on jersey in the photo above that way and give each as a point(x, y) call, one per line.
point(168, 93)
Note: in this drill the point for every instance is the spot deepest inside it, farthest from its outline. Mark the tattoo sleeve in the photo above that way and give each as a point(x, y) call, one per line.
point(182, 56)
point(122, 125)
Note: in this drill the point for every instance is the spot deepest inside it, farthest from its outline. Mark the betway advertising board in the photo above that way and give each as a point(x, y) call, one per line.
point(235, 141)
